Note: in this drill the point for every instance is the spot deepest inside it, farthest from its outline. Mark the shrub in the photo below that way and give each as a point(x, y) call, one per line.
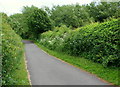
point(54, 39)
point(97, 42)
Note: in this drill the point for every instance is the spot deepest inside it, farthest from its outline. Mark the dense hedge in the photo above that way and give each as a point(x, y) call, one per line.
point(12, 52)
point(97, 42)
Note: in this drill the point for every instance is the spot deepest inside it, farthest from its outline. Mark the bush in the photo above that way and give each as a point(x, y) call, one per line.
point(54, 39)
point(97, 42)
point(12, 52)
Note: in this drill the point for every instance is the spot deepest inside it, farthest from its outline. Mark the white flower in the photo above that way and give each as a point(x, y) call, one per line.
point(2, 34)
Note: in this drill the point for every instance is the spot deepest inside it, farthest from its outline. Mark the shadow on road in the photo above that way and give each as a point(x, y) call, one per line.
point(27, 42)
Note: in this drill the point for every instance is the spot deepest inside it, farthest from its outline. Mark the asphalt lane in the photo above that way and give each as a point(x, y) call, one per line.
point(47, 70)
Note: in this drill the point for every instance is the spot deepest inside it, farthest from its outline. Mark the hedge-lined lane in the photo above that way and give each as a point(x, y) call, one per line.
point(47, 70)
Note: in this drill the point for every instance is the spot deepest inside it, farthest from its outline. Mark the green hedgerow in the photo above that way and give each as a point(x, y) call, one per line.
point(12, 52)
point(97, 42)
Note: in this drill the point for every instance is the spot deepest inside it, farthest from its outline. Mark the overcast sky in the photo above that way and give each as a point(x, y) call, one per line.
point(15, 6)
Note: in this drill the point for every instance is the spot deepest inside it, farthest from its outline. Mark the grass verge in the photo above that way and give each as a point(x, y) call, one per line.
point(21, 74)
point(109, 74)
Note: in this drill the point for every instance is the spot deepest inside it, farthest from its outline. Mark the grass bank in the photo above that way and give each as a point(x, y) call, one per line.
point(109, 74)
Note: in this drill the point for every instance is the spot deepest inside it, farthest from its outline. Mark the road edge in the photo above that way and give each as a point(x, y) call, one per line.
point(28, 74)
point(78, 68)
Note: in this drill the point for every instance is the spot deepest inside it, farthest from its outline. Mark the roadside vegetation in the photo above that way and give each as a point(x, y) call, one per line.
point(97, 42)
point(13, 64)
point(86, 35)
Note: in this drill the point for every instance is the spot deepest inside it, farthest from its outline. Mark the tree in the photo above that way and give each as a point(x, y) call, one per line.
point(70, 15)
point(37, 20)
point(18, 24)
point(103, 10)
point(64, 15)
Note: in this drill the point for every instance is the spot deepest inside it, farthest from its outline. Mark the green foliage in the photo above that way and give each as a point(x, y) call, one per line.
point(54, 39)
point(80, 15)
point(104, 10)
point(12, 53)
point(18, 24)
point(97, 42)
point(37, 21)
point(70, 15)
point(32, 22)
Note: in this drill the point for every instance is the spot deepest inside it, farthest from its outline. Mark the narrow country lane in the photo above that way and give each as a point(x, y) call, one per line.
point(47, 70)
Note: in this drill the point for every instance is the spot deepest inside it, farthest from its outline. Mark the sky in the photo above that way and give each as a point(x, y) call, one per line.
point(15, 6)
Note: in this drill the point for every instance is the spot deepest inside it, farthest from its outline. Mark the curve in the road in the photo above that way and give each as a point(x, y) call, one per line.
point(47, 70)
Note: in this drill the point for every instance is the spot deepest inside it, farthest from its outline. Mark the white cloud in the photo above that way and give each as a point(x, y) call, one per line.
point(15, 6)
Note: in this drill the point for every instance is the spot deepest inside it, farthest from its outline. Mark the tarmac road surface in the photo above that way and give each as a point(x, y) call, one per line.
point(47, 70)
